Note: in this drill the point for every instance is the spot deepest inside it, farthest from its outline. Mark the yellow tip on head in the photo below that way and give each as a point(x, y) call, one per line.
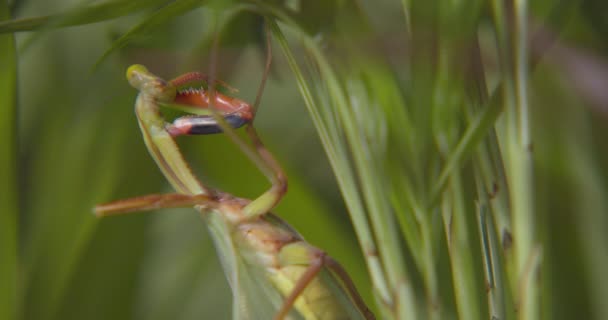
point(136, 75)
point(133, 70)
point(153, 86)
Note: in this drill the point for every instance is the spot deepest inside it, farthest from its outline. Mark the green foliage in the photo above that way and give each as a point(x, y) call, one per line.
point(8, 172)
point(473, 176)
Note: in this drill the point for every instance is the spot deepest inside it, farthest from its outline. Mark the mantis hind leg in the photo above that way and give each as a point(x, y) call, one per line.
point(315, 266)
point(349, 285)
point(317, 261)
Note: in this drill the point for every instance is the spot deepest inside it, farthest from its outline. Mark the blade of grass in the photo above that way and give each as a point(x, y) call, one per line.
point(63, 224)
point(9, 207)
point(512, 48)
point(79, 16)
point(157, 18)
point(477, 130)
point(380, 218)
point(338, 159)
point(520, 170)
point(459, 247)
point(493, 220)
point(591, 193)
point(495, 303)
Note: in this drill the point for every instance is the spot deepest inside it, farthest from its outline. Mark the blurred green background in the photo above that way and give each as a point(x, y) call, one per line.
point(73, 142)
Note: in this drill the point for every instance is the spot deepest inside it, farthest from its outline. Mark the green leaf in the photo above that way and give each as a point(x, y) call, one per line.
point(8, 173)
point(80, 15)
point(154, 20)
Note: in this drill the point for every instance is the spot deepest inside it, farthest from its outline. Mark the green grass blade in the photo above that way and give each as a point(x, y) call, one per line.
point(65, 179)
point(474, 133)
point(80, 15)
point(467, 291)
point(157, 18)
point(590, 188)
point(9, 208)
point(341, 167)
point(493, 284)
point(360, 181)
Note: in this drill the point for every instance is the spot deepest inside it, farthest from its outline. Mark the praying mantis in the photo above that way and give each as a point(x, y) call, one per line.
point(272, 271)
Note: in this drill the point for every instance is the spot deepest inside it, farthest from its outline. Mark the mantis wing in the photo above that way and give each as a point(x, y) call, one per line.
point(254, 295)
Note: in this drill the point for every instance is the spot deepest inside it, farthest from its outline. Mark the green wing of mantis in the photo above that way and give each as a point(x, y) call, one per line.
point(237, 272)
point(329, 280)
point(256, 296)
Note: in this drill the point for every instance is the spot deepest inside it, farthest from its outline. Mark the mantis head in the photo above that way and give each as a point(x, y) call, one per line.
point(149, 84)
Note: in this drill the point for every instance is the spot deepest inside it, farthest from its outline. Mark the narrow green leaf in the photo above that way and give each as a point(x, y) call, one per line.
point(156, 19)
point(8, 173)
point(61, 204)
point(338, 159)
point(80, 15)
point(476, 131)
